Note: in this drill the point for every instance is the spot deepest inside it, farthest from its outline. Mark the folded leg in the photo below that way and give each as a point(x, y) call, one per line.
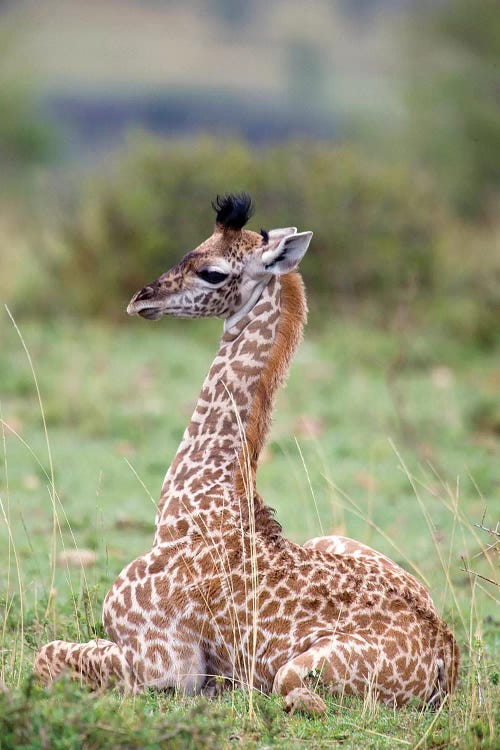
point(98, 663)
point(344, 663)
point(101, 664)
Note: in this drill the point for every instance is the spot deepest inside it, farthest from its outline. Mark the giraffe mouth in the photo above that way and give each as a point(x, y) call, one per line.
point(150, 313)
point(144, 309)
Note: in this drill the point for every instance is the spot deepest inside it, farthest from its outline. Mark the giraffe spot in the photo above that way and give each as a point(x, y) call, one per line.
point(117, 608)
point(274, 577)
point(135, 618)
point(158, 566)
point(270, 610)
point(346, 597)
point(391, 648)
point(136, 569)
point(401, 664)
point(143, 595)
point(330, 612)
point(289, 608)
point(182, 527)
point(282, 592)
point(127, 598)
point(157, 651)
point(116, 664)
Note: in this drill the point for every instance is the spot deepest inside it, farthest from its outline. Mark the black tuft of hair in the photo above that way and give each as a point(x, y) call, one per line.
point(265, 235)
point(233, 210)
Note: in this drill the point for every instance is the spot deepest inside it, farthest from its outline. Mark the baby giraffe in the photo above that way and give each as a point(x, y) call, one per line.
point(222, 593)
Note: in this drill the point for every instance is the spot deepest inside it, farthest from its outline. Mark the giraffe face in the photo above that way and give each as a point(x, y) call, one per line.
point(210, 281)
point(226, 273)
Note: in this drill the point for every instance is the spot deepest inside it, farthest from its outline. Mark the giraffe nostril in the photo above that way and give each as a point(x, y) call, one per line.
point(145, 293)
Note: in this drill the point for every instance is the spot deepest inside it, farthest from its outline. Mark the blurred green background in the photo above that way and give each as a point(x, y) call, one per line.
point(374, 123)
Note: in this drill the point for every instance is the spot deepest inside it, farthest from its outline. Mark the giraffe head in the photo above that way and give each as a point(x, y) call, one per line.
point(225, 275)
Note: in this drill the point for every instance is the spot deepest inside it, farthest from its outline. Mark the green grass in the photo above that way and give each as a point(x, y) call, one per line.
point(392, 438)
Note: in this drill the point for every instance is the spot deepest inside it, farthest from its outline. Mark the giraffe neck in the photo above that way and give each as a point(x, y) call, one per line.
point(217, 459)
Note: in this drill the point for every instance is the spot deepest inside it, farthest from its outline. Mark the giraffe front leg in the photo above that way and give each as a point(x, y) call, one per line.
point(291, 681)
point(346, 663)
point(98, 664)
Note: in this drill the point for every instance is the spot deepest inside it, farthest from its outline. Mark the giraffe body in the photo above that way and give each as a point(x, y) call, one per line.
point(222, 593)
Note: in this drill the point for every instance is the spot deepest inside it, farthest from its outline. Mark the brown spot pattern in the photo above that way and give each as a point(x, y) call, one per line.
point(221, 583)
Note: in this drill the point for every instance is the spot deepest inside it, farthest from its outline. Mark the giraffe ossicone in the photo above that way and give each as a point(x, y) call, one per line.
point(222, 595)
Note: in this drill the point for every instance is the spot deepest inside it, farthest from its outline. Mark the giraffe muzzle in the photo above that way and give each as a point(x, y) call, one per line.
point(140, 304)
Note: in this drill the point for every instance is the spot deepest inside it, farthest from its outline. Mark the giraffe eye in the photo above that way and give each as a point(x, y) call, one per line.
point(212, 277)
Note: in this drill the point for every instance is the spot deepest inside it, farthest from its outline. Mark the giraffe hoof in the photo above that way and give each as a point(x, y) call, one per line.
point(214, 687)
point(304, 701)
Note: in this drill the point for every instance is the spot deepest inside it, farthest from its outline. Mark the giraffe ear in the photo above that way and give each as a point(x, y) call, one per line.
point(287, 254)
point(278, 234)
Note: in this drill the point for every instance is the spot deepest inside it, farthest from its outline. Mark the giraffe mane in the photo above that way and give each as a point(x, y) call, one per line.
point(233, 210)
point(266, 523)
point(288, 337)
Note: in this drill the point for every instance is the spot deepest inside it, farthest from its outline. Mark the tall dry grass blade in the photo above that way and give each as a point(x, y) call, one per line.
point(452, 506)
point(219, 567)
point(225, 578)
point(12, 545)
point(355, 509)
point(432, 530)
point(313, 494)
point(423, 738)
point(69, 578)
point(246, 473)
point(5, 425)
point(51, 463)
point(9, 557)
point(141, 482)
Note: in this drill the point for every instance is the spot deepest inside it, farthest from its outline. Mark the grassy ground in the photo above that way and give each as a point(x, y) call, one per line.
point(392, 438)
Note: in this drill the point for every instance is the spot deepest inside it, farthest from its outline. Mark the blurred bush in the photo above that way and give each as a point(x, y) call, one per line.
point(377, 228)
point(466, 301)
point(27, 135)
point(382, 239)
point(454, 102)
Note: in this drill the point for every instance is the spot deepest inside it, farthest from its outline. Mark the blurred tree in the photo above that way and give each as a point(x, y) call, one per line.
point(377, 226)
point(455, 101)
point(26, 134)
